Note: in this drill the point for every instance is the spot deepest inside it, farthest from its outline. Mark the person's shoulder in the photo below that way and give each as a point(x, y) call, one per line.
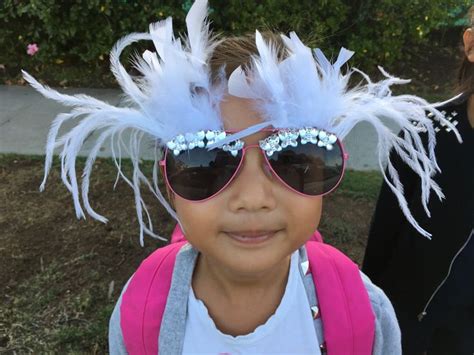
point(452, 109)
point(387, 331)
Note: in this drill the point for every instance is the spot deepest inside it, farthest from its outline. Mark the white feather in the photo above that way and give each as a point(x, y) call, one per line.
point(237, 84)
point(198, 31)
point(308, 90)
point(164, 102)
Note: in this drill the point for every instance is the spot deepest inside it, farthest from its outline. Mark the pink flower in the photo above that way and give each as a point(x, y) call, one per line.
point(32, 49)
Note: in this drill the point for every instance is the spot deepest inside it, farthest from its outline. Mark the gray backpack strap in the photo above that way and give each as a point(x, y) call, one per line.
point(311, 294)
point(173, 325)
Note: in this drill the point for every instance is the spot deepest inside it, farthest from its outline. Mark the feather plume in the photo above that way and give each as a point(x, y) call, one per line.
point(305, 89)
point(172, 96)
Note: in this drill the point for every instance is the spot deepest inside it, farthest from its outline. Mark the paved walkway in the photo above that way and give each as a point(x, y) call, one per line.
point(25, 117)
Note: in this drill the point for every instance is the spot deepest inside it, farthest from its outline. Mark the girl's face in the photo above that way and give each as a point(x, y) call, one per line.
point(256, 222)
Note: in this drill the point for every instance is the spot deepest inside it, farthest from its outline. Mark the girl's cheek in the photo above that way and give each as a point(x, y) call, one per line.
point(197, 216)
point(305, 212)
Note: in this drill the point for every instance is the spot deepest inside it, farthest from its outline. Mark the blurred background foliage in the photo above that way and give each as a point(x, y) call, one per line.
point(74, 37)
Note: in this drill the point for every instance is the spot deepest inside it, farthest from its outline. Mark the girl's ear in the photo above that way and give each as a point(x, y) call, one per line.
point(468, 40)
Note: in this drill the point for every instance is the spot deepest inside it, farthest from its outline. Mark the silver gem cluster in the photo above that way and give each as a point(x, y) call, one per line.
point(274, 143)
point(450, 117)
point(203, 139)
point(289, 137)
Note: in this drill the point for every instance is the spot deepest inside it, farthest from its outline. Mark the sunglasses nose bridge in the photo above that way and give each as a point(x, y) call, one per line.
point(251, 187)
point(250, 146)
point(264, 163)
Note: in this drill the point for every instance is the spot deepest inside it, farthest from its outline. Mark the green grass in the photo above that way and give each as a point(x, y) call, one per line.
point(361, 184)
point(341, 231)
point(126, 164)
point(43, 317)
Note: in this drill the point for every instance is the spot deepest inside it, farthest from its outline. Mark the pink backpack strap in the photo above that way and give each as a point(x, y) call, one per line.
point(317, 237)
point(178, 235)
point(144, 300)
point(346, 312)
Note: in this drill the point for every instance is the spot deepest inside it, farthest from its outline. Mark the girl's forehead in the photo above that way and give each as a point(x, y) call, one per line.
point(239, 113)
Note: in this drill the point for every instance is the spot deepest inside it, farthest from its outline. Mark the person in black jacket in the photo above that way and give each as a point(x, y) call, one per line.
point(431, 282)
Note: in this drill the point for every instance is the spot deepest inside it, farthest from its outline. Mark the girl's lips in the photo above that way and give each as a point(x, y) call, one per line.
point(252, 237)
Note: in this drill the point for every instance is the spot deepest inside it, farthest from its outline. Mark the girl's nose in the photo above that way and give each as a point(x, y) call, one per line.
point(253, 188)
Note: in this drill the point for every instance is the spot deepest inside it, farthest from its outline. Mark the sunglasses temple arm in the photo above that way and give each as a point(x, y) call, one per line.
point(241, 134)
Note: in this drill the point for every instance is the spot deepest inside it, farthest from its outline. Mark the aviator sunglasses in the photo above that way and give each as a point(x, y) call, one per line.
point(308, 161)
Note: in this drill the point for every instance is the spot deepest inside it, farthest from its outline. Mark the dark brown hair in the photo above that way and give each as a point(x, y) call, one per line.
point(465, 82)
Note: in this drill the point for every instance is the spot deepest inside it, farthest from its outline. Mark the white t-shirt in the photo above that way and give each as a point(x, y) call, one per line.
point(289, 331)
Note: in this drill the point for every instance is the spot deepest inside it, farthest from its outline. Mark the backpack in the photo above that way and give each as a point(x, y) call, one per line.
point(346, 312)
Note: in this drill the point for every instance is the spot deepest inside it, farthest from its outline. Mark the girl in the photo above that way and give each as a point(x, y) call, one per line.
point(250, 130)
point(430, 282)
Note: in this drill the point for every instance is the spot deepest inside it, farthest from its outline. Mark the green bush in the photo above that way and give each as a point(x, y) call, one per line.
point(389, 30)
point(80, 33)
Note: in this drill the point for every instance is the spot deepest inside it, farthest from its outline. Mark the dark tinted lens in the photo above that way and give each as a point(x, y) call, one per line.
point(309, 169)
point(198, 174)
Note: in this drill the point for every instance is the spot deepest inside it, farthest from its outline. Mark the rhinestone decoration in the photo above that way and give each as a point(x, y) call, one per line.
point(286, 137)
point(274, 143)
point(450, 117)
point(214, 136)
point(201, 139)
point(271, 144)
point(233, 147)
point(178, 144)
point(440, 125)
point(315, 312)
point(309, 135)
point(305, 267)
point(195, 140)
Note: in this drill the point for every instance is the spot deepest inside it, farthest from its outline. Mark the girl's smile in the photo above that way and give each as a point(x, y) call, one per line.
point(250, 238)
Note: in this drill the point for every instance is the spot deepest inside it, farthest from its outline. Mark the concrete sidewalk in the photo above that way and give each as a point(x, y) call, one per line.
point(25, 117)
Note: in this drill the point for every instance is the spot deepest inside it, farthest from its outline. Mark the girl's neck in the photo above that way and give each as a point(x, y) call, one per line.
point(470, 110)
point(239, 303)
point(232, 283)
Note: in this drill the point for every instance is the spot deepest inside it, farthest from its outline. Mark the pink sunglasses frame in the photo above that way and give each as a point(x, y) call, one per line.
point(345, 157)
